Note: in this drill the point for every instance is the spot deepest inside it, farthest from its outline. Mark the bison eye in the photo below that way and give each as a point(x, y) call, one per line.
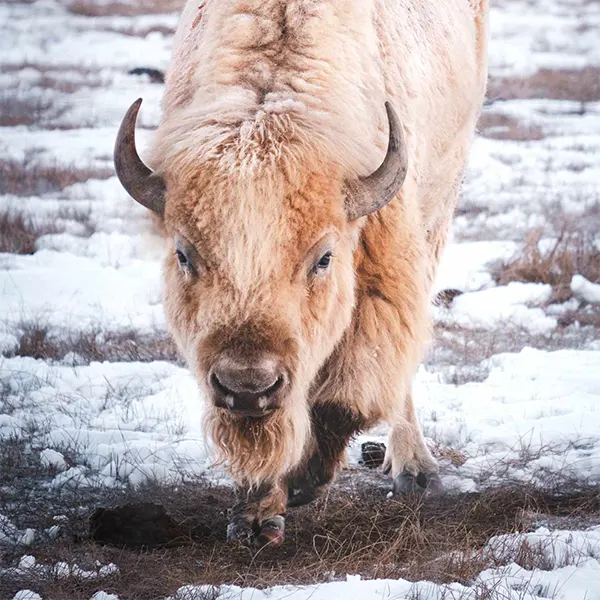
point(182, 258)
point(323, 263)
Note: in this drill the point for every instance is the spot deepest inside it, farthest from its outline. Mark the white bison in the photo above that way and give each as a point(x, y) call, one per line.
point(306, 169)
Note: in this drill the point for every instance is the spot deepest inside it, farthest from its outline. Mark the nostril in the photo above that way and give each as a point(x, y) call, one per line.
point(219, 386)
point(274, 388)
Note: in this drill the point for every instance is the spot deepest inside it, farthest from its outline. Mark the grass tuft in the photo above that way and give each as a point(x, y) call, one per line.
point(572, 252)
point(38, 342)
point(29, 177)
point(18, 234)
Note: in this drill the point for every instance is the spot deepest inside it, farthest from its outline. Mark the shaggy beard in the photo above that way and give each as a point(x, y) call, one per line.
point(259, 450)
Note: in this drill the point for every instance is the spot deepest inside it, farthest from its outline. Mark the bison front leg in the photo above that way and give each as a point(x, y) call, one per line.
point(407, 457)
point(333, 425)
point(258, 518)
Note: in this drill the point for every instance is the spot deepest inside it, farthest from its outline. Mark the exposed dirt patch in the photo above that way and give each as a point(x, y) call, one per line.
point(556, 84)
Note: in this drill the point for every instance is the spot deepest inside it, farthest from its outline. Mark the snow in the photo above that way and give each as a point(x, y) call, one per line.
point(530, 411)
point(52, 458)
point(491, 308)
point(586, 290)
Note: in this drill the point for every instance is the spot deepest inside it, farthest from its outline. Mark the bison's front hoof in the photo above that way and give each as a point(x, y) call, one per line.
point(407, 483)
point(270, 532)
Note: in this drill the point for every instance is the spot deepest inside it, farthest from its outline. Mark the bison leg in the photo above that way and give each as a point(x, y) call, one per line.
point(407, 456)
point(333, 426)
point(258, 519)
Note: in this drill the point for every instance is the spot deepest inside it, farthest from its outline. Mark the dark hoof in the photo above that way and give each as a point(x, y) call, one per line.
point(269, 533)
point(272, 533)
point(407, 483)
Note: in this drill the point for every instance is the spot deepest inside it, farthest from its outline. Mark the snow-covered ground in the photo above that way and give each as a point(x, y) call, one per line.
point(97, 273)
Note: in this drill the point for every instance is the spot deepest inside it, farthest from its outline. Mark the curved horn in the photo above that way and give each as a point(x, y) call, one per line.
point(138, 180)
point(368, 194)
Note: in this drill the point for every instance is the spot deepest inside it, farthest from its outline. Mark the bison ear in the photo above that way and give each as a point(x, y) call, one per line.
point(368, 194)
point(139, 181)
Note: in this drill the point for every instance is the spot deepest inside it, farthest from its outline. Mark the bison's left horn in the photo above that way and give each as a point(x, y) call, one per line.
point(368, 194)
point(141, 183)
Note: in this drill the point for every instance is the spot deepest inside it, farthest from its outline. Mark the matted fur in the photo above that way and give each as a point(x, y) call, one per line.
point(270, 106)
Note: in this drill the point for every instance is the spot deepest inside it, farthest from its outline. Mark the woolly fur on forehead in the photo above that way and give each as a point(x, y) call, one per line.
point(255, 83)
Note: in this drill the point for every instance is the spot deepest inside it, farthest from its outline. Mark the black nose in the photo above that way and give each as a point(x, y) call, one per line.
point(249, 390)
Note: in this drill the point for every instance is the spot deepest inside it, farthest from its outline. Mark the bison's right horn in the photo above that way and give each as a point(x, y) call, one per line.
point(140, 182)
point(368, 194)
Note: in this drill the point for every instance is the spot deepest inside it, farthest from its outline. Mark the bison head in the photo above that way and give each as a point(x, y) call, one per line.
point(260, 280)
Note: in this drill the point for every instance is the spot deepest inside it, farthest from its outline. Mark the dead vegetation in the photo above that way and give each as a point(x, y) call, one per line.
point(91, 8)
point(63, 79)
point(16, 109)
point(555, 84)
point(36, 340)
point(553, 261)
point(36, 110)
point(18, 234)
point(353, 529)
point(32, 177)
point(503, 127)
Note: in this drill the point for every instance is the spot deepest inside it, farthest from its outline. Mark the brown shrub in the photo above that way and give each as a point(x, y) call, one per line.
point(503, 127)
point(559, 84)
point(18, 233)
point(573, 252)
point(89, 8)
point(30, 178)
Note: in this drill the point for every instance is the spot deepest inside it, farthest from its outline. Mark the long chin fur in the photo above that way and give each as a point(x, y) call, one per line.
point(259, 450)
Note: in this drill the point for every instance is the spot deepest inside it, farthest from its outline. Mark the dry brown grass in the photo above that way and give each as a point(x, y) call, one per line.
point(29, 177)
point(38, 342)
point(142, 32)
point(456, 353)
point(19, 110)
point(89, 8)
point(560, 84)
point(503, 127)
point(18, 234)
point(66, 80)
point(573, 252)
point(353, 529)
point(36, 111)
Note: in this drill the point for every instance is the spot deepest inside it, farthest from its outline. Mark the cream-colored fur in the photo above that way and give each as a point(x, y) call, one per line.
point(270, 105)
